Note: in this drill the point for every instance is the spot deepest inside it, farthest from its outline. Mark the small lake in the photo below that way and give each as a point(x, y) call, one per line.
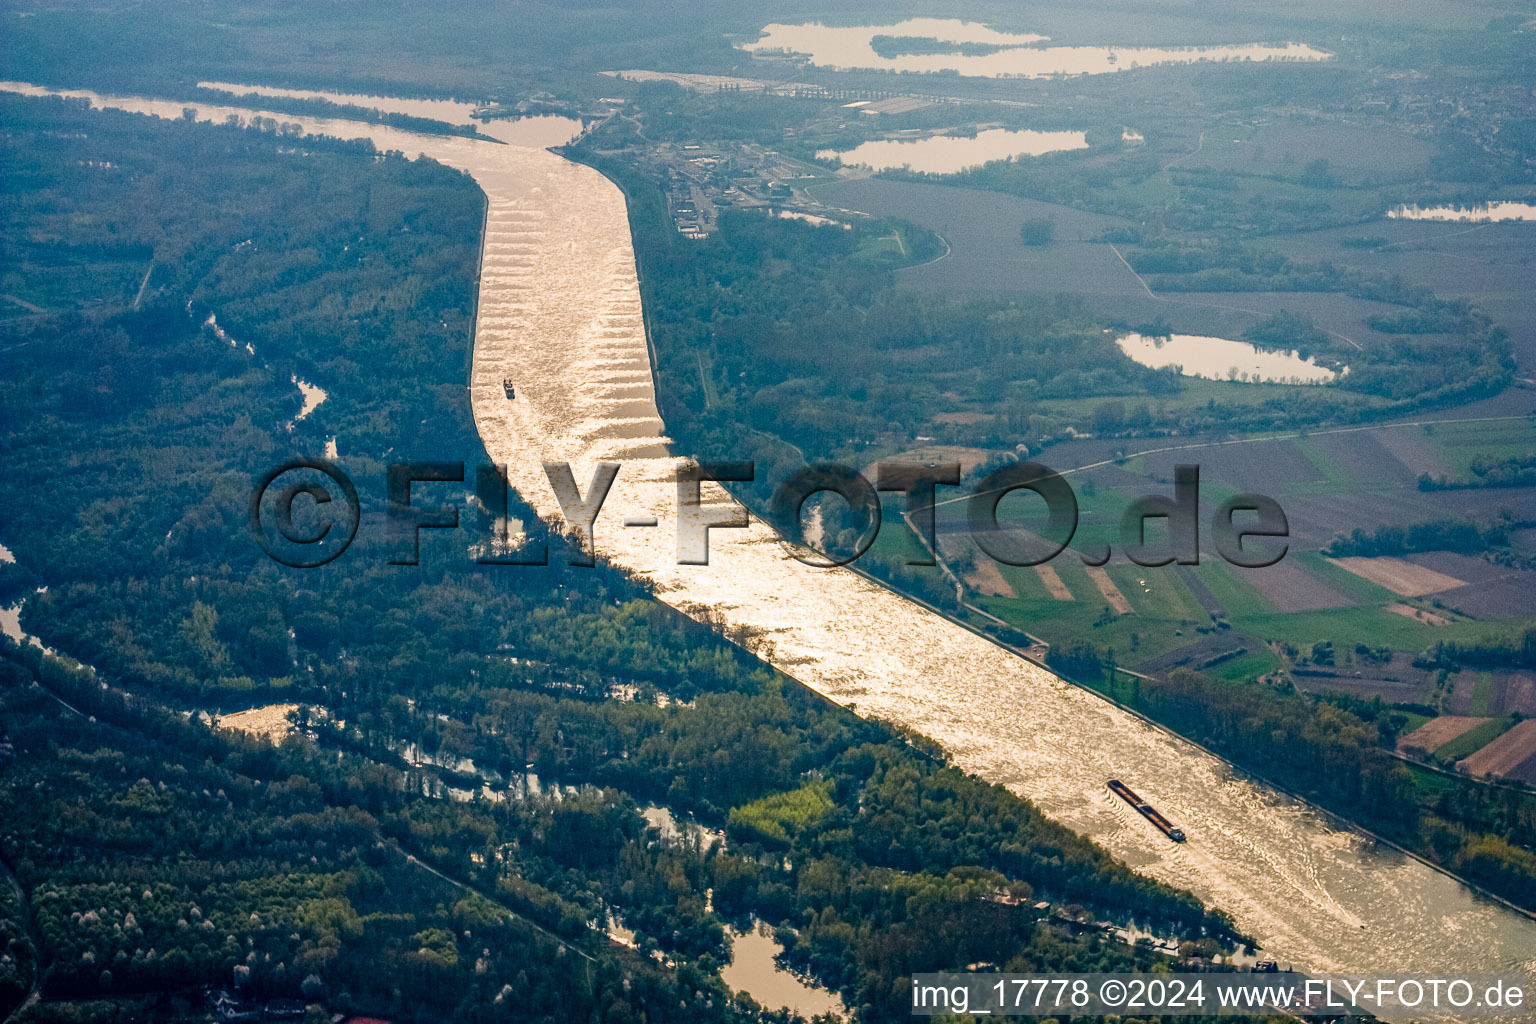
point(753, 971)
point(951, 154)
point(1221, 359)
point(1011, 54)
point(1486, 212)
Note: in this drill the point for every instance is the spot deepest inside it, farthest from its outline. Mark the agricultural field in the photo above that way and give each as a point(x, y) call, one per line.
point(39, 279)
point(1458, 445)
point(1487, 264)
point(1375, 614)
point(1503, 747)
point(1437, 732)
point(1354, 153)
point(1399, 576)
point(1511, 755)
point(1472, 741)
point(982, 231)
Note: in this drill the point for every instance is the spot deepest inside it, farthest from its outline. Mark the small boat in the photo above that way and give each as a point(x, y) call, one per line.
point(506, 385)
point(1146, 810)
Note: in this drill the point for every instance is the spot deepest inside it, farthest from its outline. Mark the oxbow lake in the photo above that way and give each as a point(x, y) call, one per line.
point(1502, 211)
point(1221, 359)
point(1021, 54)
point(951, 154)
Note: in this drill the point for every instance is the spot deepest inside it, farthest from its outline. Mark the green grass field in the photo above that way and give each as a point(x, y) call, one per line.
point(1025, 583)
point(1238, 598)
point(896, 540)
point(1374, 626)
point(1249, 666)
point(1164, 618)
point(1432, 786)
point(1156, 593)
point(1331, 473)
point(1196, 393)
point(1473, 740)
point(1459, 443)
point(1482, 694)
point(1356, 588)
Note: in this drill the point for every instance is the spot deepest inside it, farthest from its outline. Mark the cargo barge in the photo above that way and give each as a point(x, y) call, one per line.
point(1146, 810)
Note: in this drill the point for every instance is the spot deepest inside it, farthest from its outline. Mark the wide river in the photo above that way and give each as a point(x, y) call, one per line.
point(560, 314)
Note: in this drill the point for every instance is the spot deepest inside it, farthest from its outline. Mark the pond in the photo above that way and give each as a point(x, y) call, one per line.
point(673, 831)
point(951, 154)
point(1502, 211)
point(312, 394)
point(1221, 359)
point(10, 626)
point(752, 970)
point(982, 52)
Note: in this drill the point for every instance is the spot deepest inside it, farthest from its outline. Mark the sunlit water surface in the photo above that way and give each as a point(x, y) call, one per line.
point(951, 154)
point(851, 48)
point(560, 315)
point(1485, 212)
point(752, 970)
point(1221, 359)
point(436, 110)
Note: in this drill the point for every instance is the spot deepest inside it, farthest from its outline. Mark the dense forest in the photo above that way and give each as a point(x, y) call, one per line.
point(1436, 535)
point(165, 856)
point(364, 863)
